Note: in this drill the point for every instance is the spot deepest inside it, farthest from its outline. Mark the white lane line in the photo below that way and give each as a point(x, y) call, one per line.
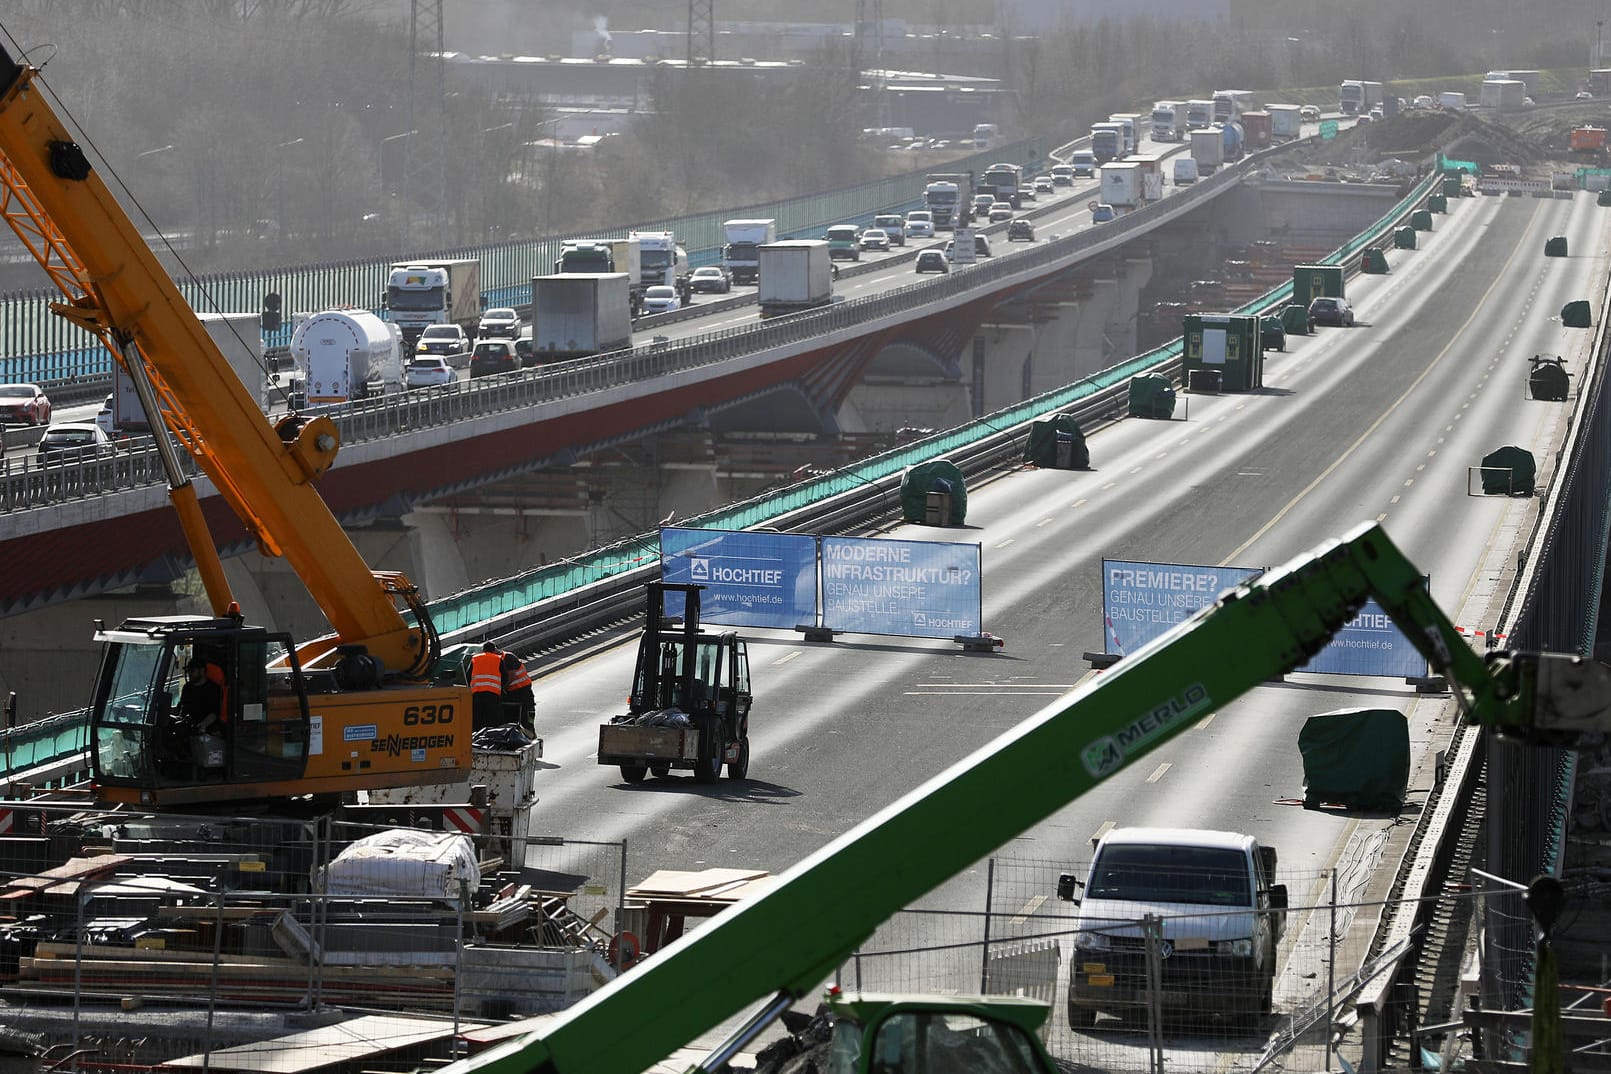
point(786, 658)
point(1202, 724)
point(1158, 773)
point(1027, 911)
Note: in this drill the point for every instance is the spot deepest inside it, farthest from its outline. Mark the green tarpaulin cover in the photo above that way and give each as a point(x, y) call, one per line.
point(1057, 443)
point(1509, 471)
point(1152, 395)
point(1356, 758)
point(936, 475)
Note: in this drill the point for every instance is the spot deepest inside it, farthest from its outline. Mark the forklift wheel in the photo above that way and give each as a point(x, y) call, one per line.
point(740, 768)
point(634, 773)
point(708, 769)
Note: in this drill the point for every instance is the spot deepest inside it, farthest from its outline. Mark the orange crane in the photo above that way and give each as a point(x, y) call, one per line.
point(355, 710)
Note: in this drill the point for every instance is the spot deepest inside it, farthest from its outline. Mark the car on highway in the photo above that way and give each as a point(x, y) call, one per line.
point(1102, 212)
point(1020, 231)
point(982, 203)
point(24, 404)
point(525, 351)
point(893, 226)
point(661, 298)
point(492, 356)
point(1044, 185)
point(74, 441)
point(932, 261)
point(1081, 165)
point(1062, 175)
point(981, 246)
point(712, 279)
point(1584, 95)
point(106, 417)
point(428, 371)
point(875, 238)
point(1272, 334)
point(498, 323)
point(920, 224)
point(1425, 100)
point(1329, 309)
point(1309, 114)
point(446, 340)
point(1000, 212)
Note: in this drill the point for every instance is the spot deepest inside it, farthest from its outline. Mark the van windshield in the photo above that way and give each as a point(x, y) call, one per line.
point(1201, 876)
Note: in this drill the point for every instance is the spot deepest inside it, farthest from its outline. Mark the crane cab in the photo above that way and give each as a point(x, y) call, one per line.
point(282, 731)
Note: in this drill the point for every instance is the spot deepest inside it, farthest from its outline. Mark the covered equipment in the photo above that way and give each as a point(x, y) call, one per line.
point(1356, 759)
point(1056, 443)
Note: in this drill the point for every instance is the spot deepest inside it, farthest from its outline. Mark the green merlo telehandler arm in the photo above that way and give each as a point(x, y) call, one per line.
point(786, 942)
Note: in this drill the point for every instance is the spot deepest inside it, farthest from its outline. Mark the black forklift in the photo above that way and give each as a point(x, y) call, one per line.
point(690, 701)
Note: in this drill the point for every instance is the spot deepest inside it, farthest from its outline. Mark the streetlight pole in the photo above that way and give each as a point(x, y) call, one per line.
point(1598, 23)
point(279, 182)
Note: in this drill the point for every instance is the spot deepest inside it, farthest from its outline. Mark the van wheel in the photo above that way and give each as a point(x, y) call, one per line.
point(634, 773)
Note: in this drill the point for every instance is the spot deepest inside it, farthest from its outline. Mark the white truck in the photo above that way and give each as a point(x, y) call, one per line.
point(741, 238)
point(1133, 129)
point(422, 293)
point(1219, 912)
point(1107, 141)
point(577, 314)
point(238, 335)
point(1356, 97)
point(344, 354)
point(1452, 101)
point(1199, 114)
point(1229, 104)
point(500, 823)
point(1169, 121)
point(1286, 121)
point(1208, 149)
point(796, 275)
point(662, 262)
point(1121, 184)
point(1503, 94)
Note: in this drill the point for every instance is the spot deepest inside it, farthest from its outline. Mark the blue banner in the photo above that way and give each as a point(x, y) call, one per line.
point(1141, 601)
point(920, 589)
point(752, 578)
point(1369, 645)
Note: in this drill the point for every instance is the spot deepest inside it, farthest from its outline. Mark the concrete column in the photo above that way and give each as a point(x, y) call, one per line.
point(1121, 321)
point(1090, 347)
point(1056, 348)
point(1008, 349)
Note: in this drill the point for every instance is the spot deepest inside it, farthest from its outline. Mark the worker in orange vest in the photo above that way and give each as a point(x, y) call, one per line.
point(517, 689)
point(486, 687)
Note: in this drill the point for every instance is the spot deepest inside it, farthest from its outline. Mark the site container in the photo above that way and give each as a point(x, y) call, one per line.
point(1227, 344)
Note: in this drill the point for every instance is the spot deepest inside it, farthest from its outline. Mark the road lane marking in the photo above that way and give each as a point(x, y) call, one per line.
point(786, 658)
point(1027, 911)
point(1158, 773)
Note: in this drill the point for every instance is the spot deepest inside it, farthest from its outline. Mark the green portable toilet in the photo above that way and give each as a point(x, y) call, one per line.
point(1603, 198)
point(1356, 759)
point(1223, 352)
point(1437, 203)
point(1421, 220)
point(1056, 443)
point(1152, 395)
point(1295, 319)
point(1555, 247)
point(1451, 186)
point(1549, 379)
point(934, 493)
point(1374, 261)
point(1509, 471)
point(1577, 315)
point(1309, 282)
point(1404, 237)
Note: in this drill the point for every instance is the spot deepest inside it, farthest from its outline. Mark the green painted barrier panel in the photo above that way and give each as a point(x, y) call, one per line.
point(1404, 238)
point(1421, 220)
point(1577, 315)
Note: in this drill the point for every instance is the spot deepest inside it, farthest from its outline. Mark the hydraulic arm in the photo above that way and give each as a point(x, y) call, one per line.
point(784, 943)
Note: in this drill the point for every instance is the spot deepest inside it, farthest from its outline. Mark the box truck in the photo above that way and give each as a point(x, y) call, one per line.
point(1286, 122)
point(576, 314)
point(795, 275)
point(238, 335)
point(1121, 184)
point(1355, 97)
point(1208, 149)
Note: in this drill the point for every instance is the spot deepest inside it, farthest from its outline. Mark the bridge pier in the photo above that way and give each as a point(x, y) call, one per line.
point(1121, 334)
point(1090, 332)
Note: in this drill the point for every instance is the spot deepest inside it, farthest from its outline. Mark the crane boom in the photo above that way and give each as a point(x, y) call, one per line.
point(786, 941)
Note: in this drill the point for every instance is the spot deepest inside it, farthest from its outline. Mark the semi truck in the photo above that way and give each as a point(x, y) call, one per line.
point(577, 314)
point(1169, 121)
point(1452, 100)
point(1233, 138)
point(1133, 129)
point(775, 948)
point(595, 257)
point(1286, 121)
point(239, 338)
point(796, 274)
point(1355, 97)
point(1121, 184)
point(1229, 104)
point(664, 263)
point(1258, 128)
point(1199, 114)
point(1007, 180)
point(1208, 149)
point(1107, 141)
point(947, 196)
point(346, 354)
point(422, 293)
point(1503, 94)
point(324, 717)
point(741, 239)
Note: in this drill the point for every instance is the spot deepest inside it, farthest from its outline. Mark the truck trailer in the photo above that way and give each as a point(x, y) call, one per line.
point(741, 240)
point(1121, 184)
point(796, 275)
point(577, 314)
point(422, 293)
point(238, 335)
point(1286, 122)
point(346, 354)
point(1208, 149)
point(595, 257)
point(1355, 97)
point(947, 195)
point(1503, 94)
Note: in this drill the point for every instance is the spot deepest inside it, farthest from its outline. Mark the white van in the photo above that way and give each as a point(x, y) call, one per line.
point(1220, 914)
point(1185, 171)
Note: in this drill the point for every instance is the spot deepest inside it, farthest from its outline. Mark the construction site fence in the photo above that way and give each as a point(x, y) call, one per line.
point(1178, 1016)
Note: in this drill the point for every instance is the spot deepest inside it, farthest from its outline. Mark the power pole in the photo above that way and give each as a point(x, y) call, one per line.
point(424, 173)
point(701, 31)
point(869, 54)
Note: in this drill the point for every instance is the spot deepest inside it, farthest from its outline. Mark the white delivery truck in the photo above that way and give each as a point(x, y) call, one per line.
point(1220, 917)
point(346, 354)
point(1185, 171)
point(1133, 130)
point(662, 263)
point(238, 335)
point(422, 293)
point(1286, 121)
point(796, 274)
point(1452, 101)
point(577, 314)
point(1199, 114)
point(1169, 121)
point(1121, 184)
point(1208, 149)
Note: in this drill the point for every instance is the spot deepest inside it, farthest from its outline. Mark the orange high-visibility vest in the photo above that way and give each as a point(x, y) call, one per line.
point(516, 678)
point(486, 674)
